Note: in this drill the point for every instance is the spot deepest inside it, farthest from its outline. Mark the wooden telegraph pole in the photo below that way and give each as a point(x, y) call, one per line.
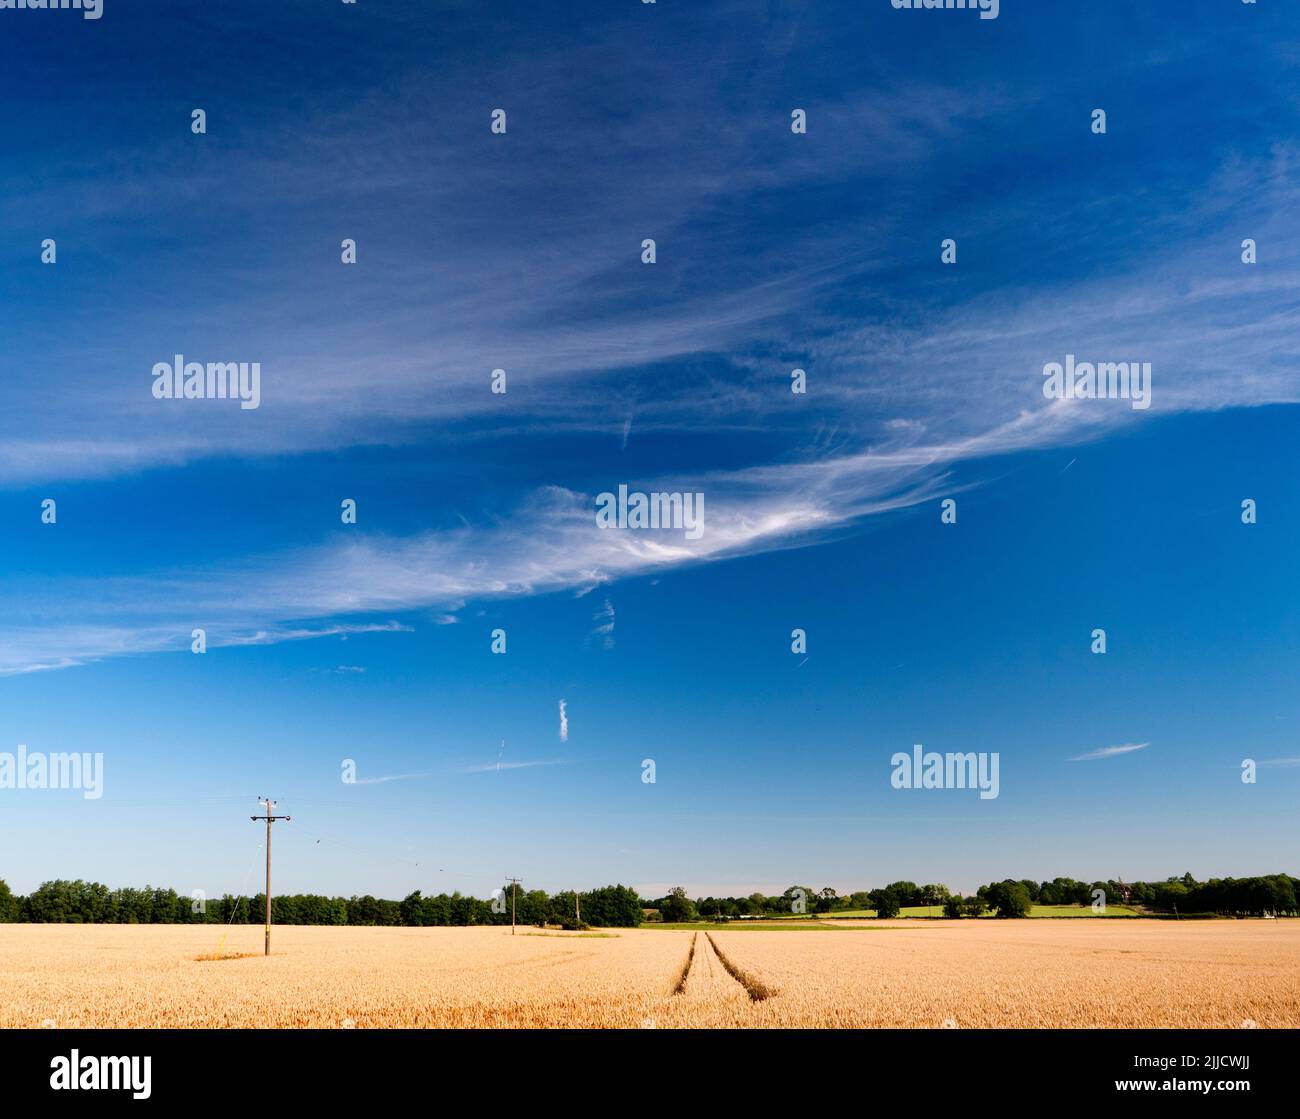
point(514, 882)
point(270, 818)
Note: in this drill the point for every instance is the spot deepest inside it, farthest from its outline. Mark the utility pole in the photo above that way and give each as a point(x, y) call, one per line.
point(577, 907)
point(270, 818)
point(513, 883)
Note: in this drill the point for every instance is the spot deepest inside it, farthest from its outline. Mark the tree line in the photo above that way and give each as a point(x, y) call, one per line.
point(76, 902)
point(1274, 894)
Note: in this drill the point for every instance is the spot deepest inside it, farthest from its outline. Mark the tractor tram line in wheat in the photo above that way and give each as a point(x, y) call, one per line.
point(708, 974)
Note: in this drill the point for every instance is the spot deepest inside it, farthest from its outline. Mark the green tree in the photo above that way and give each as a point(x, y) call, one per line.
point(534, 907)
point(677, 906)
point(437, 910)
point(1171, 895)
point(907, 893)
point(885, 903)
point(797, 896)
point(413, 909)
point(612, 907)
point(1010, 899)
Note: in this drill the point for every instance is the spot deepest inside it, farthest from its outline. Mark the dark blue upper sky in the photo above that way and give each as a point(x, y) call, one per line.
point(775, 251)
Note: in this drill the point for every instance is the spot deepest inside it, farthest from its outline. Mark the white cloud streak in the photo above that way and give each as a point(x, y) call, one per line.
point(604, 629)
point(1109, 752)
point(493, 767)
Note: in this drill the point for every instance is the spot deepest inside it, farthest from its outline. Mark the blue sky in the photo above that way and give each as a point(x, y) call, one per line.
point(476, 511)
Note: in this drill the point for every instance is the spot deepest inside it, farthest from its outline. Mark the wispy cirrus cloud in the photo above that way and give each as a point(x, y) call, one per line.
point(384, 780)
point(604, 628)
point(550, 542)
point(494, 767)
point(1109, 752)
point(920, 384)
point(69, 643)
point(487, 767)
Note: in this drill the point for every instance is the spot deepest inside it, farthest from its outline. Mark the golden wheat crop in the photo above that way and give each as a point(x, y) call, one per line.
point(1084, 973)
point(967, 974)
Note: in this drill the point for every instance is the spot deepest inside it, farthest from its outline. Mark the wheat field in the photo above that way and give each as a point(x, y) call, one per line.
point(970, 974)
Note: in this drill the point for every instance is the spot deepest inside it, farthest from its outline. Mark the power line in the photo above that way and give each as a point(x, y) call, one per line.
point(426, 860)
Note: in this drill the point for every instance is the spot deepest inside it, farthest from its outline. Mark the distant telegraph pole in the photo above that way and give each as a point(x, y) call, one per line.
point(270, 818)
point(514, 882)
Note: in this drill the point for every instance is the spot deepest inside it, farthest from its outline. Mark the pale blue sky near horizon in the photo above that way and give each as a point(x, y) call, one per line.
point(476, 251)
